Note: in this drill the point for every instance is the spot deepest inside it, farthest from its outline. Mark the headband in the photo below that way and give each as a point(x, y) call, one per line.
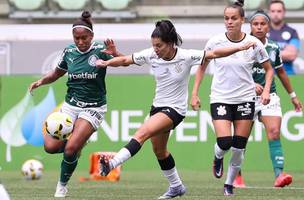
point(259, 14)
point(82, 26)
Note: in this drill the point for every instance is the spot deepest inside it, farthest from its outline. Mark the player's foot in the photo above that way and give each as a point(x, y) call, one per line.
point(239, 182)
point(174, 192)
point(283, 180)
point(217, 167)
point(61, 190)
point(104, 167)
point(228, 190)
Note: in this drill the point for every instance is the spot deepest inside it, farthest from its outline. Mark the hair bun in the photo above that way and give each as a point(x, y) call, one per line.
point(86, 14)
point(239, 3)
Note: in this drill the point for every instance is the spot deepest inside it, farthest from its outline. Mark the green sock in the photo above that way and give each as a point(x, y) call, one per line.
point(276, 155)
point(68, 166)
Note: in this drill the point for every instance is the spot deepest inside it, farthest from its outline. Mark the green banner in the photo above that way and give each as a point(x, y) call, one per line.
point(129, 100)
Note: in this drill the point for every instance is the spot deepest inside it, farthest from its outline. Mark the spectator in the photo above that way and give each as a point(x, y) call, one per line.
point(284, 35)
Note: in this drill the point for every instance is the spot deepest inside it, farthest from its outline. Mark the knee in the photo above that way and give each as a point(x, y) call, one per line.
point(51, 149)
point(224, 143)
point(274, 134)
point(239, 142)
point(70, 150)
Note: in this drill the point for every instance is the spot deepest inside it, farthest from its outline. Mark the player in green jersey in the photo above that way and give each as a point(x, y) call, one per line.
point(85, 100)
point(271, 115)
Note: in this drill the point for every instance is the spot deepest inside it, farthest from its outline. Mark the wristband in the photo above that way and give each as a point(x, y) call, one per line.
point(292, 95)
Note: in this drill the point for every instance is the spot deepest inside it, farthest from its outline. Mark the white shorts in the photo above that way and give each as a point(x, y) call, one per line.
point(271, 109)
point(94, 115)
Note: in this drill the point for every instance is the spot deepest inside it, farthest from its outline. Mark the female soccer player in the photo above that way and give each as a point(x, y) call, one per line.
point(171, 66)
point(85, 100)
point(233, 92)
point(271, 114)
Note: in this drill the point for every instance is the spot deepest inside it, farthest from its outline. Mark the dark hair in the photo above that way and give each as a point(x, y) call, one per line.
point(238, 4)
point(277, 1)
point(165, 30)
point(259, 12)
point(84, 20)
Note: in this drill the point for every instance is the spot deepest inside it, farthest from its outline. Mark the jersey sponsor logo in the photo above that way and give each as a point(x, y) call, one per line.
point(221, 110)
point(92, 60)
point(258, 70)
point(139, 59)
point(244, 109)
point(82, 75)
point(196, 57)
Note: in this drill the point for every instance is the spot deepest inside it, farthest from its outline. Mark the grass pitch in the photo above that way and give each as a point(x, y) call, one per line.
point(144, 185)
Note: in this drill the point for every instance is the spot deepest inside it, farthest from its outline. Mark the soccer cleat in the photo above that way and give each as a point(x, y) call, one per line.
point(283, 180)
point(218, 167)
point(104, 167)
point(61, 190)
point(173, 192)
point(239, 182)
point(228, 190)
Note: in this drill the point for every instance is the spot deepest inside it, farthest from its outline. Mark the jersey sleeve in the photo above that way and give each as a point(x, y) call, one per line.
point(210, 45)
point(62, 64)
point(195, 57)
point(260, 52)
point(142, 57)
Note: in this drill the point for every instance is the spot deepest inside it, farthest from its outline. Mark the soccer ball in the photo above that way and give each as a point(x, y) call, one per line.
point(32, 169)
point(59, 125)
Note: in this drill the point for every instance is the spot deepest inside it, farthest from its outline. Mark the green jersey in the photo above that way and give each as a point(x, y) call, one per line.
point(273, 51)
point(86, 83)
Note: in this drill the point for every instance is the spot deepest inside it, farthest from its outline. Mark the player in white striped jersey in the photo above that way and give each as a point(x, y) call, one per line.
point(171, 66)
point(233, 92)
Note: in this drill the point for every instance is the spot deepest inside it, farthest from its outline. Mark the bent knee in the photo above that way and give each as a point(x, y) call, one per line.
point(51, 149)
point(274, 134)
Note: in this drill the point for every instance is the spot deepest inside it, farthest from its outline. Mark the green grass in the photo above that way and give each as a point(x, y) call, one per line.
point(149, 185)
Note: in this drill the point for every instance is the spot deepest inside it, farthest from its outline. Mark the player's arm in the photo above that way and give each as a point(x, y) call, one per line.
point(227, 51)
point(289, 53)
point(286, 83)
point(200, 72)
point(48, 78)
point(265, 98)
point(116, 62)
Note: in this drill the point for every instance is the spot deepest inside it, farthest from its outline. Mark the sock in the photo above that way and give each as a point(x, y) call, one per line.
point(235, 164)
point(125, 153)
point(276, 155)
point(68, 166)
point(219, 153)
point(169, 170)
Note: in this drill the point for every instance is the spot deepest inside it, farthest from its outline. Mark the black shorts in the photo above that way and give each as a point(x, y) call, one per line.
point(231, 112)
point(170, 112)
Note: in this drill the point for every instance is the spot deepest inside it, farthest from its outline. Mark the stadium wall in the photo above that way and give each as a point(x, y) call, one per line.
point(129, 100)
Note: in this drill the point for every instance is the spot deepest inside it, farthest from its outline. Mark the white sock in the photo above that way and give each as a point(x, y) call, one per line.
point(172, 177)
point(219, 153)
point(119, 158)
point(234, 165)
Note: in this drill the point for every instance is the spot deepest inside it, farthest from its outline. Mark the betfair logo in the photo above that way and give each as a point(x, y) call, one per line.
point(85, 75)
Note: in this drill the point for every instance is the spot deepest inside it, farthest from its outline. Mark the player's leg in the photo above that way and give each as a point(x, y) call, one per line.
point(221, 119)
point(87, 123)
point(272, 125)
point(155, 125)
point(167, 165)
point(243, 115)
point(3, 193)
point(81, 133)
point(52, 145)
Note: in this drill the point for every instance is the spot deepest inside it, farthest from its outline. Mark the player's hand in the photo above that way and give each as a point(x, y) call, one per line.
point(265, 98)
point(110, 48)
point(258, 89)
point(34, 85)
point(297, 104)
point(247, 45)
point(101, 63)
point(195, 103)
